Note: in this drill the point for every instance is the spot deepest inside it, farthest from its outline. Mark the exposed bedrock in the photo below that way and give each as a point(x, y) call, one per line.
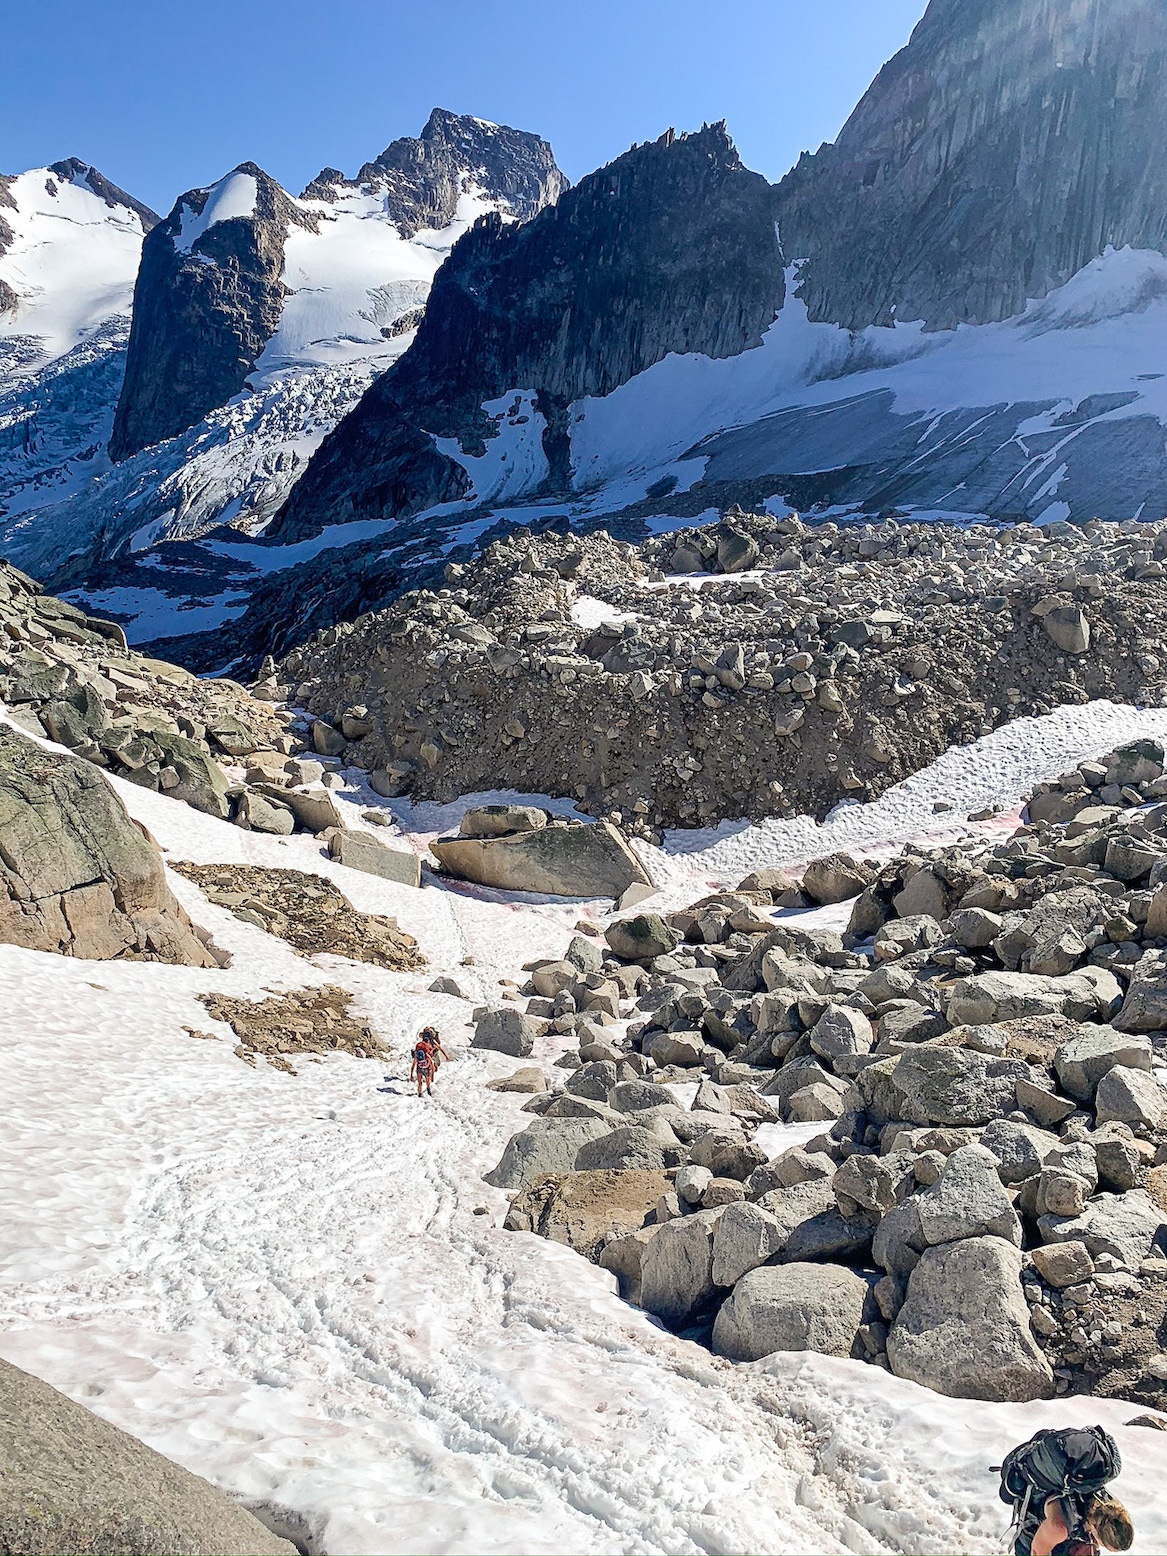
point(207, 301)
point(994, 156)
point(77, 876)
point(73, 1482)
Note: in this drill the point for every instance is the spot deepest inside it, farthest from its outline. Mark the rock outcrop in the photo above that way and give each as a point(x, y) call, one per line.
point(421, 180)
point(73, 1482)
point(590, 292)
point(77, 876)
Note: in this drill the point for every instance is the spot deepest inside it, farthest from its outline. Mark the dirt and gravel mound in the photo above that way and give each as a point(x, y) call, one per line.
point(305, 910)
point(304, 1021)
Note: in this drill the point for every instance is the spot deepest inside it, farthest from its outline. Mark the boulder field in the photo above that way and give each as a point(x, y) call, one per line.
point(984, 1049)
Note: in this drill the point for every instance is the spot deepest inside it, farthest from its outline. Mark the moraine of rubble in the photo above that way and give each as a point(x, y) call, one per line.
point(984, 1209)
point(815, 663)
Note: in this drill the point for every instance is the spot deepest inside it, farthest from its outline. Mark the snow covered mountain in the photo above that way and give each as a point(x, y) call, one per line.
point(974, 306)
point(960, 307)
point(259, 320)
point(70, 242)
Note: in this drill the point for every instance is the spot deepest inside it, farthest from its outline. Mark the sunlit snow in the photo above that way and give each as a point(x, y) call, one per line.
point(282, 1281)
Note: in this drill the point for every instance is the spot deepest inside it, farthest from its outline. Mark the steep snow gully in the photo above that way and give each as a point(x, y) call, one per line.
point(299, 1285)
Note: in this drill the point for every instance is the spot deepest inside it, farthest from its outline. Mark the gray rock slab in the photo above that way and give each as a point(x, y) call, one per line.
point(73, 1482)
point(791, 1307)
point(964, 1327)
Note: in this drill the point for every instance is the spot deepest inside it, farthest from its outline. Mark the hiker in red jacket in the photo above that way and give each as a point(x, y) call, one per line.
point(423, 1066)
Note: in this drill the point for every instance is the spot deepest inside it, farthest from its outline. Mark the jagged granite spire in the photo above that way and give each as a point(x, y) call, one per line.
point(670, 248)
point(422, 179)
point(207, 300)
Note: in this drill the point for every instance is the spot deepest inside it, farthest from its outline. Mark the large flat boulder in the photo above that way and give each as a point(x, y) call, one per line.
point(504, 1029)
point(676, 1270)
point(72, 1482)
point(77, 875)
point(586, 1210)
point(1092, 1052)
point(1125, 1226)
point(578, 860)
point(952, 1086)
point(964, 1327)
point(1145, 1007)
point(547, 1145)
point(791, 1307)
point(1087, 994)
point(362, 851)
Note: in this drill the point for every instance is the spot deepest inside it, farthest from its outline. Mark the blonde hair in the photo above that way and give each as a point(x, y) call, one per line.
point(1111, 1522)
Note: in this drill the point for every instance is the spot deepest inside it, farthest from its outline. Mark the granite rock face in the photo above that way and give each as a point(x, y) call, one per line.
point(73, 1482)
point(207, 301)
point(991, 159)
point(575, 302)
point(422, 178)
point(77, 876)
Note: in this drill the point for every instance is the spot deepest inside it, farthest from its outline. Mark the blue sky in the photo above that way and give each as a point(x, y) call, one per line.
point(163, 95)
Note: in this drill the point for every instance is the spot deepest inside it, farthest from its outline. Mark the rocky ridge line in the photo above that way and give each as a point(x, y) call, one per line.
point(572, 303)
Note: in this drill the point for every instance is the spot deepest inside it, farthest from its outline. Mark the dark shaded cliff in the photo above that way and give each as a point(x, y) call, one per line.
point(1004, 148)
point(670, 248)
point(206, 302)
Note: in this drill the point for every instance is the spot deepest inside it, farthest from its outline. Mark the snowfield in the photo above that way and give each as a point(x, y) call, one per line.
point(72, 264)
point(283, 1281)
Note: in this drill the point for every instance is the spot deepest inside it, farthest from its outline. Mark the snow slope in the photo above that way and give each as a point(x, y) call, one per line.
point(71, 263)
point(1104, 333)
point(282, 1282)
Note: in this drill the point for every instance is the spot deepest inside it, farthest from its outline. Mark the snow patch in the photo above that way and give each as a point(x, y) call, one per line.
point(514, 463)
point(72, 264)
point(231, 199)
point(281, 1281)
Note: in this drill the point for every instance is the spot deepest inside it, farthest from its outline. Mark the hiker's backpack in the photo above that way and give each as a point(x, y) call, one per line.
point(1075, 1461)
point(1071, 1464)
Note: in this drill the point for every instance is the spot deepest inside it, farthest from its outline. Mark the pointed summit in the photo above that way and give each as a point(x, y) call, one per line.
point(421, 180)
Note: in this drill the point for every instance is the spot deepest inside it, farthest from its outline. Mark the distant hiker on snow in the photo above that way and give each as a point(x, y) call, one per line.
point(424, 1064)
point(1056, 1483)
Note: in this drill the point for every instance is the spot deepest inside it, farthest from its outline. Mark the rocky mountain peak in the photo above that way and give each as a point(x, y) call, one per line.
point(999, 152)
point(207, 301)
point(73, 171)
point(422, 179)
point(575, 302)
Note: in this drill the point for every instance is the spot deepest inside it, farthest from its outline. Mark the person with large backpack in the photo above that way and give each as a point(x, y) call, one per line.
point(437, 1052)
point(1057, 1485)
point(422, 1067)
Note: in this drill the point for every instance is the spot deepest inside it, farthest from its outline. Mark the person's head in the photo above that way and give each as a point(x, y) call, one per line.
point(1111, 1522)
point(428, 1035)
